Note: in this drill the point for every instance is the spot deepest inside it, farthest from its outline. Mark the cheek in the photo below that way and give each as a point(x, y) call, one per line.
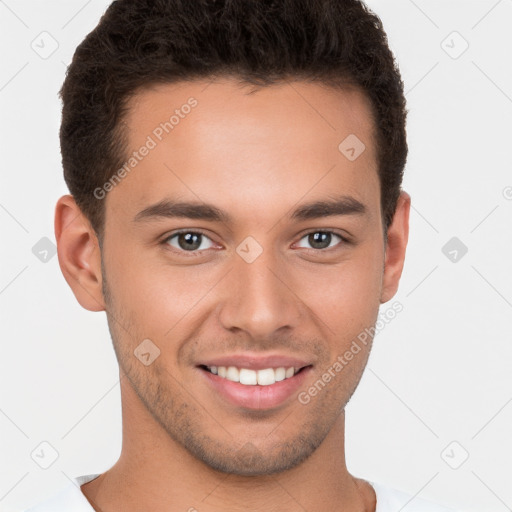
point(345, 297)
point(157, 296)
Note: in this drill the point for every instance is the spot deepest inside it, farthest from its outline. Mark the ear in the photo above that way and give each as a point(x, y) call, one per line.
point(79, 254)
point(398, 235)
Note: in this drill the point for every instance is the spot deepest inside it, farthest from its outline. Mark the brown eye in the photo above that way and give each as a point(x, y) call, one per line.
point(188, 241)
point(321, 240)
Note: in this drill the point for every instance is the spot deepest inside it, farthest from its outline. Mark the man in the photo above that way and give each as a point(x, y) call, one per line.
point(235, 169)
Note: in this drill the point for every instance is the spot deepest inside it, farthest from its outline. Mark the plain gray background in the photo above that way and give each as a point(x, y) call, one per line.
point(438, 387)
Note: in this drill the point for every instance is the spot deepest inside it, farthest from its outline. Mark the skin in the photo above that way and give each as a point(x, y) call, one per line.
point(256, 156)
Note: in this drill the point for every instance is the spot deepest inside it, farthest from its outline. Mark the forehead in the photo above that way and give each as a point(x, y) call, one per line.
point(227, 141)
point(247, 114)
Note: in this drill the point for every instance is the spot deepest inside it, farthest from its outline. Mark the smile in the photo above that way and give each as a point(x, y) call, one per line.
point(248, 377)
point(255, 388)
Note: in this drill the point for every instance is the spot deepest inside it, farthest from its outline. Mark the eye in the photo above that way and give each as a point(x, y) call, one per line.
point(322, 239)
point(188, 241)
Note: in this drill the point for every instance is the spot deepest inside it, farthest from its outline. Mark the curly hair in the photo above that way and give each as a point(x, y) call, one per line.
point(138, 43)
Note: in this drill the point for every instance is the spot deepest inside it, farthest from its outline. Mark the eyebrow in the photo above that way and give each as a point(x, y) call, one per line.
point(167, 208)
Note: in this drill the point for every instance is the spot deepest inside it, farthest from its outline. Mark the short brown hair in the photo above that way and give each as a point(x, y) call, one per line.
point(138, 43)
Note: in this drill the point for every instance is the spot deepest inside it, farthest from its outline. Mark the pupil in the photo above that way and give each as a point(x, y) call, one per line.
point(320, 240)
point(189, 241)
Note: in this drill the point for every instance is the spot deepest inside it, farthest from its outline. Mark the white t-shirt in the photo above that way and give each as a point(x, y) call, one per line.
point(71, 499)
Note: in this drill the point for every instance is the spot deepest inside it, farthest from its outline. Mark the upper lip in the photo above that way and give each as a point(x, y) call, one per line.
point(256, 362)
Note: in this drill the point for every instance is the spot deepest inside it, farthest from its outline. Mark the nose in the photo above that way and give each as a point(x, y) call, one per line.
point(260, 298)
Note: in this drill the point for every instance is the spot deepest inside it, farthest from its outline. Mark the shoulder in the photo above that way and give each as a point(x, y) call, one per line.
point(69, 499)
point(390, 500)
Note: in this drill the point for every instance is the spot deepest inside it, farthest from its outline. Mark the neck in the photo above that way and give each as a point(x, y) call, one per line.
point(156, 473)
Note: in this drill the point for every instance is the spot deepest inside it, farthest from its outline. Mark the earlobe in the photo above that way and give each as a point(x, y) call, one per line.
point(79, 254)
point(398, 235)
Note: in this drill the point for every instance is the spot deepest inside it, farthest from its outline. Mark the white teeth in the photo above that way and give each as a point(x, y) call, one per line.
point(280, 374)
point(233, 374)
point(248, 377)
point(265, 377)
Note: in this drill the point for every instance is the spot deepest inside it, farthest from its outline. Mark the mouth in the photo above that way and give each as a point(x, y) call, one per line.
point(260, 389)
point(249, 377)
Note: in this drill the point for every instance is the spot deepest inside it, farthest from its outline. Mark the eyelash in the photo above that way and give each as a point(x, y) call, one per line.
point(344, 240)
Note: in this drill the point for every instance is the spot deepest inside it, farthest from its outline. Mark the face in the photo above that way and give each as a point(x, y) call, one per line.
point(245, 245)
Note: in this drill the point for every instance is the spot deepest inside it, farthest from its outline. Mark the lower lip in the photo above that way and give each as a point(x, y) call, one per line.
point(257, 397)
